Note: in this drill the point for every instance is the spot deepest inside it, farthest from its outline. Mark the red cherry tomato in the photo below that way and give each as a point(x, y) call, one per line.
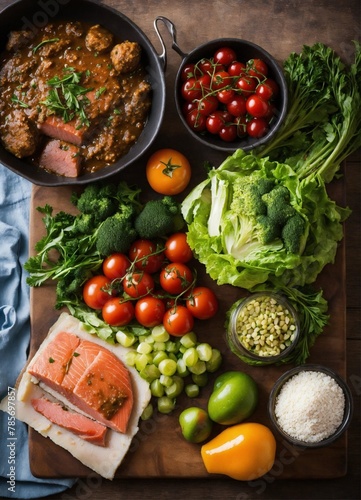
point(178, 321)
point(187, 72)
point(247, 84)
point(225, 96)
point(196, 121)
point(138, 284)
point(237, 68)
point(257, 67)
point(225, 56)
point(191, 90)
point(149, 311)
point(257, 127)
point(208, 105)
point(94, 293)
point(146, 255)
point(188, 106)
point(228, 133)
point(206, 66)
point(177, 249)
point(204, 82)
point(264, 91)
point(215, 122)
point(202, 303)
point(116, 265)
point(237, 107)
point(220, 80)
point(118, 312)
point(256, 106)
point(274, 86)
point(175, 278)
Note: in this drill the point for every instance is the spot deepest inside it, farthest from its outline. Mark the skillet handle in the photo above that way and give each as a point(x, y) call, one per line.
point(173, 32)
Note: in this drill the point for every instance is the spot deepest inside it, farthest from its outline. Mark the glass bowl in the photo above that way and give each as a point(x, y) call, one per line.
point(263, 328)
point(319, 427)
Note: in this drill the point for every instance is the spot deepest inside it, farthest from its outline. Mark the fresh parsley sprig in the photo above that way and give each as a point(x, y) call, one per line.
point(66, 97)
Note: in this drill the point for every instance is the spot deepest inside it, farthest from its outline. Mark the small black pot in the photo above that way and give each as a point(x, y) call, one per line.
point(29, 14)
point(247, 50)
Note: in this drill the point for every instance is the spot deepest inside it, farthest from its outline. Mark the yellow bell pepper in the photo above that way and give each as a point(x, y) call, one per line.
point(244, 452)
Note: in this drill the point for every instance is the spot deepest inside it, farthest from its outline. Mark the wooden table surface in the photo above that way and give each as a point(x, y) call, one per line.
point(281, 27)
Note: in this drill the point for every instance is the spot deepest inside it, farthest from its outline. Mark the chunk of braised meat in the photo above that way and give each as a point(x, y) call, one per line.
point(74, 28)
point(19, 39)
point(51, 49)
point(98, 39)
point(19, 135)
point(125, 56)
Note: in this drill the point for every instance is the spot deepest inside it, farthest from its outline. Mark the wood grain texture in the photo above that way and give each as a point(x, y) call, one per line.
point(281, 27)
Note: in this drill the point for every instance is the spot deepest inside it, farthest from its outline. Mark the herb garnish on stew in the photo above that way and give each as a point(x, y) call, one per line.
point(66, 97)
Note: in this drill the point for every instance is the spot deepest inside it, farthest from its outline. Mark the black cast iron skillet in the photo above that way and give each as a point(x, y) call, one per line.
point(32, 14)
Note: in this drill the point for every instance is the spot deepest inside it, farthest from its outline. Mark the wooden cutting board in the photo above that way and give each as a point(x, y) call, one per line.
point(159, 450)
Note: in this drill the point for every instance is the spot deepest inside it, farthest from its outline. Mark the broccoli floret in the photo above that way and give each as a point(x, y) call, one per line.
point(279, 209)
point(159, 218)
point(84, 224)
point(265, 185)
point(268, 230)
point(116, 233)
point(247, 196)
point(294, 234)
point(96, 200)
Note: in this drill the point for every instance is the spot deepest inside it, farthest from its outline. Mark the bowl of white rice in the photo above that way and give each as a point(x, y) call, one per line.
point(310, 406)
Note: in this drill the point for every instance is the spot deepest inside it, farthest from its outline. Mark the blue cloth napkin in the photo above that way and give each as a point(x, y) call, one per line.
point(16, 480)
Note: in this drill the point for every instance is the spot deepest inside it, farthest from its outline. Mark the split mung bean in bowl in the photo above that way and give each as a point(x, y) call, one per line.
point(263, 327)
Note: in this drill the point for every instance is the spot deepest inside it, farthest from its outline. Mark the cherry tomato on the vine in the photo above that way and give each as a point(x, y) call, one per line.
point(220, 80)
point(256, 106)
point(237, 106)
point(225, 56)
point(237, 68)
point(116, 265)
point(146, 256)
point(168, 171)
point(118, 312)
point(196, 121)
point(257, 127)
point(138, 284)
point(257, 67)
point(225, 96)
point(187, 71)
point(149, 311)
point(247, 84)
point(191, 89)
point(178, 320)
point(215, 122)
point(94, 291)
point(208, 105)
point(202, 302)
point(177, 249)
point(175, 278)
point(228, 133)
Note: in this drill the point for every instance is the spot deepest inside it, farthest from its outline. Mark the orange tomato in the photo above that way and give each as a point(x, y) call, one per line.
point(168, 171)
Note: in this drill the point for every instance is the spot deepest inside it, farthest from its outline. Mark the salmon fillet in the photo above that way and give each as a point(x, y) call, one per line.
point(91, 378)
point(82, 426)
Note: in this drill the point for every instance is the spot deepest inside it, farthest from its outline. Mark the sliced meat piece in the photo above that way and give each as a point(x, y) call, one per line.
point(54, 126)
point(78, 424)
point(92, 379)
point(61, 157)
point(18, 134)
point(98, 39)
point(125, 56)
point(19, 39)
